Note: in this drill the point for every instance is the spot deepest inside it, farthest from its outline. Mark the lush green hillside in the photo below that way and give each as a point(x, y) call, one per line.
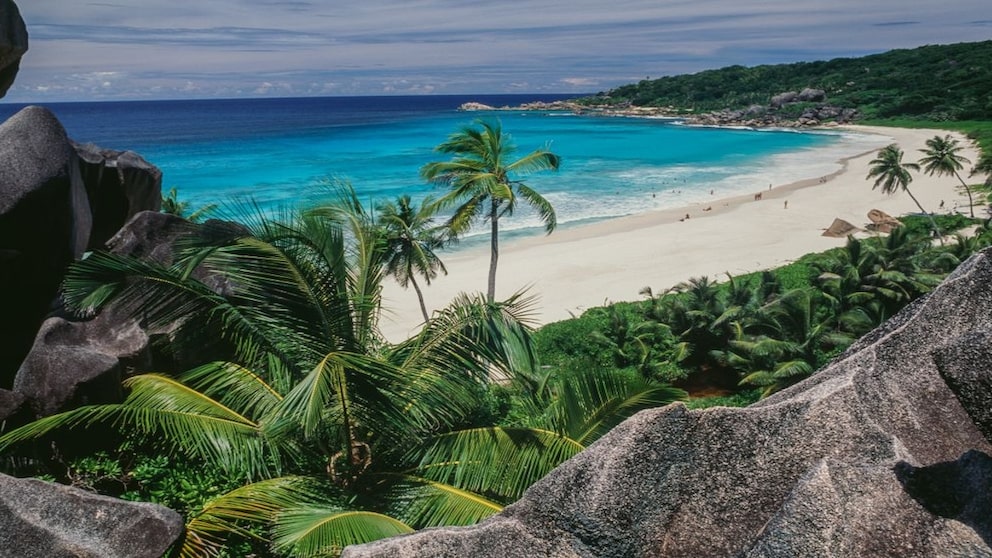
point(938, 83)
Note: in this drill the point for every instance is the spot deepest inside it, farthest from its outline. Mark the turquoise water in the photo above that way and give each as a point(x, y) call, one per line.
point(277, 150)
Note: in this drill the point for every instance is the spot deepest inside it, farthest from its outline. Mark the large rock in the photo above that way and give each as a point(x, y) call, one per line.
point(873, 456)
point(45, 520)
point(13, 43)
point(10, 403)
point(82, 361)
point(44, 223)
point(74, 363)
point(57, 200)
point(811, 95)
point(120, 184)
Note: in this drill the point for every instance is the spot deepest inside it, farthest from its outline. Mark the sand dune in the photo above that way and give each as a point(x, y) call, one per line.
point(582, 267)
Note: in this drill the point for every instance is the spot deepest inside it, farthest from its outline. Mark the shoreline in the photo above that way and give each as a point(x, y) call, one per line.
point(593, 264)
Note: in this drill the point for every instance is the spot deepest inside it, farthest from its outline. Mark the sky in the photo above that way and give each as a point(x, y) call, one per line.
point(164, 49)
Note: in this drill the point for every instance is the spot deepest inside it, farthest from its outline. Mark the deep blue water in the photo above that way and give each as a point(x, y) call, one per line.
point(277, 150)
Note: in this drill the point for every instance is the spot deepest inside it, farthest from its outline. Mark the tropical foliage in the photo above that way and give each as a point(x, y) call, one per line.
point(942, 157)
point(412, 242)
point(327, 433)
point(753, 335)
point(886, 85)
point(484, 184)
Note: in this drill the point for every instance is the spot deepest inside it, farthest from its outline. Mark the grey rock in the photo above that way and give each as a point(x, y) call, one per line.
point(10, 403)
point(783, 99)
point(119, 184)
point(45, 520)
point(811, 95)
point(13, 43)
point(43, 224)
point(963, 363)
point(149, 235)
point(78, 363)
point(828, 467)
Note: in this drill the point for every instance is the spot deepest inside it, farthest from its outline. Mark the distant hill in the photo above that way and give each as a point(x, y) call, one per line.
point(936, 82)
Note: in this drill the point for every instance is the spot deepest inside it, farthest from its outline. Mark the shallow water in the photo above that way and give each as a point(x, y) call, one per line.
point(277, 150)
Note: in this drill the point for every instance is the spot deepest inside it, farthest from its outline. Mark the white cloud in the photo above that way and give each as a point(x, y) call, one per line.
point(236, 47)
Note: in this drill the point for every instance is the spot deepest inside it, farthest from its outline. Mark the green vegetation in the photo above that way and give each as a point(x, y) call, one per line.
point(173, 206)
point(956, 85)
point(892, 175)
point(480, 178)
point(293, 428)
point(752, 335)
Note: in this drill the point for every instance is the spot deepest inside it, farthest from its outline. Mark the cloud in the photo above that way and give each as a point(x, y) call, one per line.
point(236, 47)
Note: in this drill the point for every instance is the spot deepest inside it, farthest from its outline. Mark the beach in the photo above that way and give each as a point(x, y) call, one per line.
point(582, 267)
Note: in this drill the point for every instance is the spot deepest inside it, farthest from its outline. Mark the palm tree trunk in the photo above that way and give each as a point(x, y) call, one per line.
point(494, 250)
point(933, 221)
point(420, 297)
point(971, 202)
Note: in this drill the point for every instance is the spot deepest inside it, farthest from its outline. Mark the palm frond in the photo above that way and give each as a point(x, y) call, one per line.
point(426, 503)
point(310, 531)
point(160, 409)
point(499, 463)
point(236, 511)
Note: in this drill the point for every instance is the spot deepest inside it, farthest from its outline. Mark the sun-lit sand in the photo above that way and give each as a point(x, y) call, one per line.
point(578, 268)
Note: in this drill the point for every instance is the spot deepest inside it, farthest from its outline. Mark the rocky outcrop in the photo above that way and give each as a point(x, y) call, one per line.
point(57, 200)
point(119, 184)
point(44, 223)
point(884, 452)
point(10, 403)
point(13, 43)
point(74, 363)
point(45, 520)
point(82, 361)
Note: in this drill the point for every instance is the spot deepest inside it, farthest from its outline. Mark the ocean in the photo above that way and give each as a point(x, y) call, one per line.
point(279, 151)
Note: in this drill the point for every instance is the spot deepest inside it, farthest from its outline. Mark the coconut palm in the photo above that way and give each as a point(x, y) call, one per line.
point(480, 178)
point(313, 411)
point(311, 404)
point(411, 241)
point(983, 166)
point(941, 157)
point(566, 414)
point(173, 206)
point(892, 175)
point(790, 344)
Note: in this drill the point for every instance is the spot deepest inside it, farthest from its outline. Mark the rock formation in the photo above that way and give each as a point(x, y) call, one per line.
point(57, 200)
point(119, 184)
point(82, 361)
point(44, 223)
point(13, 43)
point(45, 520)
point(884, 452)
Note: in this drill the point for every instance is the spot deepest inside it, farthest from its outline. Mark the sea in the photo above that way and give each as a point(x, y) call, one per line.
point(279, 152)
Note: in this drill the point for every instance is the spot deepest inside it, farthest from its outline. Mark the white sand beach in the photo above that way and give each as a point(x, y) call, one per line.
point(578, 268)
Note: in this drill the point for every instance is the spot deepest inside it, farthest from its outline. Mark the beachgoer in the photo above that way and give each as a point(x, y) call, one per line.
point(786, 204)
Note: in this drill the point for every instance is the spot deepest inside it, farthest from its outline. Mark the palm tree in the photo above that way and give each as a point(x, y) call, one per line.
point(311, 403)
point(983, 166)
point(327, 427)
point(172, 206)
point(942, 158)
point(479, 177)
point(565, 413)
point(892, 175)
point(789, 345)
point(411, 241)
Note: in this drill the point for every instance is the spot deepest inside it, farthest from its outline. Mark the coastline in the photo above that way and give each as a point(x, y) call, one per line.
point(590, 265)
